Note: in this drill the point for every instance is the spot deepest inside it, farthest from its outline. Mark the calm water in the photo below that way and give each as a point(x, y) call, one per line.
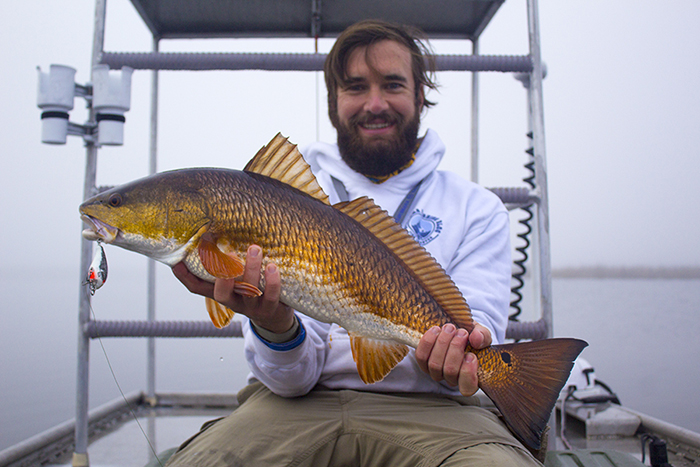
point(642, 335)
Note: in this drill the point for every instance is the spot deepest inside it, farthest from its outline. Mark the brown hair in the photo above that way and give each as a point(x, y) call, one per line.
point(369, 32)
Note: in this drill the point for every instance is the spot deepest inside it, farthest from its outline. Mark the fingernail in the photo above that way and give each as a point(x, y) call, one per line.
point(469, 358)
point(435, 330)
point(449, 328)
point(254, 251)
point(272, 268)
point(461, 333)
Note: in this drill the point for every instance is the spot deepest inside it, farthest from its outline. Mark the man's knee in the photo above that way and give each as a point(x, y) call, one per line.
point(491, 454)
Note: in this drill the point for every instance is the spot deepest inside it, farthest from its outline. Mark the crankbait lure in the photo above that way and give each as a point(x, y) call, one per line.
point(97, 274)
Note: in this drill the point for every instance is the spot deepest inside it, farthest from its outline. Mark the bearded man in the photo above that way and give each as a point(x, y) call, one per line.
point(306, 404)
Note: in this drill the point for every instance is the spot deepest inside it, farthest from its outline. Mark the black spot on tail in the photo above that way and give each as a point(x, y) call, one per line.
point(505, 356)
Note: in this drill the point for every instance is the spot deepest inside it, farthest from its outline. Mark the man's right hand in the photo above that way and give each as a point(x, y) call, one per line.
point(265, 311)
point(441, 354)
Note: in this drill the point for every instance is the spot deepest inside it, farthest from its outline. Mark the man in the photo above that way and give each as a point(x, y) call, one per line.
point(307, 404)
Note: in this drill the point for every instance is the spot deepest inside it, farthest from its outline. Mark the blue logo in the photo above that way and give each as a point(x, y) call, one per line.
point(424, 227)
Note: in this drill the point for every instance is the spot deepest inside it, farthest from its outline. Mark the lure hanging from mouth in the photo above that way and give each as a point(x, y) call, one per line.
point(97, 273)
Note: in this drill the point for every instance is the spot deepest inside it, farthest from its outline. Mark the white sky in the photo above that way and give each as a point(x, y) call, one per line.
point(622, 119)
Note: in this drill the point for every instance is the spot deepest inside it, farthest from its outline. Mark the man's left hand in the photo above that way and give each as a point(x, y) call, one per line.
point(441, 354)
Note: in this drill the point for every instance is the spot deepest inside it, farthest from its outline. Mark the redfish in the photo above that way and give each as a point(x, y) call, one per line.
point(348, 264)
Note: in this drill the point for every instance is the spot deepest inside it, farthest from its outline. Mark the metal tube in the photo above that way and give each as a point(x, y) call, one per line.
point(294, 61)
point(533, 196)
point(80, 456)
point(104, 415)
point(536, 103)
point(107, 329)
point(82, 383)
point(475, 118)
point(153, 162)
point(666, 430)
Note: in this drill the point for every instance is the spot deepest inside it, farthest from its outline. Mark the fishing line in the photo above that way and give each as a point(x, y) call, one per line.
point(114, 376)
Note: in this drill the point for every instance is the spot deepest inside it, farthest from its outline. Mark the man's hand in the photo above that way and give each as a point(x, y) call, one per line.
point(441, 354)
point(266, 311)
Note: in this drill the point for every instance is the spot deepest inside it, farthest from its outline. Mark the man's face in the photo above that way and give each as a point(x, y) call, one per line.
point(378, 113)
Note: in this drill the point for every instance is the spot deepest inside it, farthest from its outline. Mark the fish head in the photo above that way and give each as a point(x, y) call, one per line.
point(161, 216)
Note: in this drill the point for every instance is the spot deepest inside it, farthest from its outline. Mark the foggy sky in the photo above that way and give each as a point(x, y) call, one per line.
point(622, 123)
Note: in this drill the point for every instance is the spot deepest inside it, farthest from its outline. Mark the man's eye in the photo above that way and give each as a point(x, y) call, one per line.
point(355, 88)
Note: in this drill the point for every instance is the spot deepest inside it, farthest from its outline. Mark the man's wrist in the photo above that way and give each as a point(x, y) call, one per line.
point(278, 338)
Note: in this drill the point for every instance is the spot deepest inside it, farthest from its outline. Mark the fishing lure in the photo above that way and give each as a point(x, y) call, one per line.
point(97, 274)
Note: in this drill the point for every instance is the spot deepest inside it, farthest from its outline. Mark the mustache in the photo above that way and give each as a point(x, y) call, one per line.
point(385, 116)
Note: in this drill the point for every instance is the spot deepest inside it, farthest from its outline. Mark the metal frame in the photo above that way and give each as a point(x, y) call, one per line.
point(80, 457)
point(475, 63)
point(536, 115)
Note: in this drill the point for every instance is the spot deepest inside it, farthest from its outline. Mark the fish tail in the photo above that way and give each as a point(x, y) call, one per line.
point(524, 381)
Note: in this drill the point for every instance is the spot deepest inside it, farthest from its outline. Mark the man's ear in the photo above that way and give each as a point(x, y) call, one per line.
point(420, 99)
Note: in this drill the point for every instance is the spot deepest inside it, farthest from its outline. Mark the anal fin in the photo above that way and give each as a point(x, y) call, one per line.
point(219, 314)
point(375, 358)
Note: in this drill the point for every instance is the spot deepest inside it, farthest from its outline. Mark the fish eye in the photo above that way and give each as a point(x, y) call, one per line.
point(115, 200)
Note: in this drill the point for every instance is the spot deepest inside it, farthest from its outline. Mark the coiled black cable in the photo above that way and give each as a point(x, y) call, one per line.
point(525, 237)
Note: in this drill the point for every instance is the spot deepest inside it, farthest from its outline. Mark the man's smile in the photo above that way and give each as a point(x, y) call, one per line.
point(376, 126)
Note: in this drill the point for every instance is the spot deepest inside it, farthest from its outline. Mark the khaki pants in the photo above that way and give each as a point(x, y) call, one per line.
point(352, 428)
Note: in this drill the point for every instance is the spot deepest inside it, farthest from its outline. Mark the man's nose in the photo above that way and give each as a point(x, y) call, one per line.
point(376, 101)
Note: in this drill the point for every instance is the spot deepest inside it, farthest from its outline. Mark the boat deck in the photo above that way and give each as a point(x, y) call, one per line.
point(128, 436)
point(124, 436)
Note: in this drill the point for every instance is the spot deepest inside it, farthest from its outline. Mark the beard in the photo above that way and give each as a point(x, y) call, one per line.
point(378, 157)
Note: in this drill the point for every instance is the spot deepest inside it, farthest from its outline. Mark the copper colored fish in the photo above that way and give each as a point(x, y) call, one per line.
point(349, 264)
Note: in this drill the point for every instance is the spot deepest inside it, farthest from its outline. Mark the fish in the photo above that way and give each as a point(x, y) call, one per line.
point(97, 272)
point(349, 263)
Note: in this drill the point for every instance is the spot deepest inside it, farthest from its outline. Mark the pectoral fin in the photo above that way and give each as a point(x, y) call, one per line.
point(375, 358)
point(224, 266)
point(219, 314)
point(216, 262)
point(246, 289)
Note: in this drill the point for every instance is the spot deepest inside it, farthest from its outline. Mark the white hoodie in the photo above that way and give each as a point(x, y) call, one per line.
point(464, 227)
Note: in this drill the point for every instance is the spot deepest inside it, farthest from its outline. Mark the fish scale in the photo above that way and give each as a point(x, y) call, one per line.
point(348, 264)
point(316, 243)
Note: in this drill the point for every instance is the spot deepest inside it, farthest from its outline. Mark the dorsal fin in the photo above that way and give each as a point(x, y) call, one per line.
point(419, 262)
point(282, 161)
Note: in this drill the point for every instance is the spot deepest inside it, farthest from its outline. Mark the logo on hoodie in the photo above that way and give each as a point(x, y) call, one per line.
point(424, 227)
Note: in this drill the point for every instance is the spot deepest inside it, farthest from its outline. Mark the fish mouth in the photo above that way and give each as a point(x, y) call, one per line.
point(98, 230)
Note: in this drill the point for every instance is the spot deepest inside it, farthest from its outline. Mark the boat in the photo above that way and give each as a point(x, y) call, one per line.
point(589, 427)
